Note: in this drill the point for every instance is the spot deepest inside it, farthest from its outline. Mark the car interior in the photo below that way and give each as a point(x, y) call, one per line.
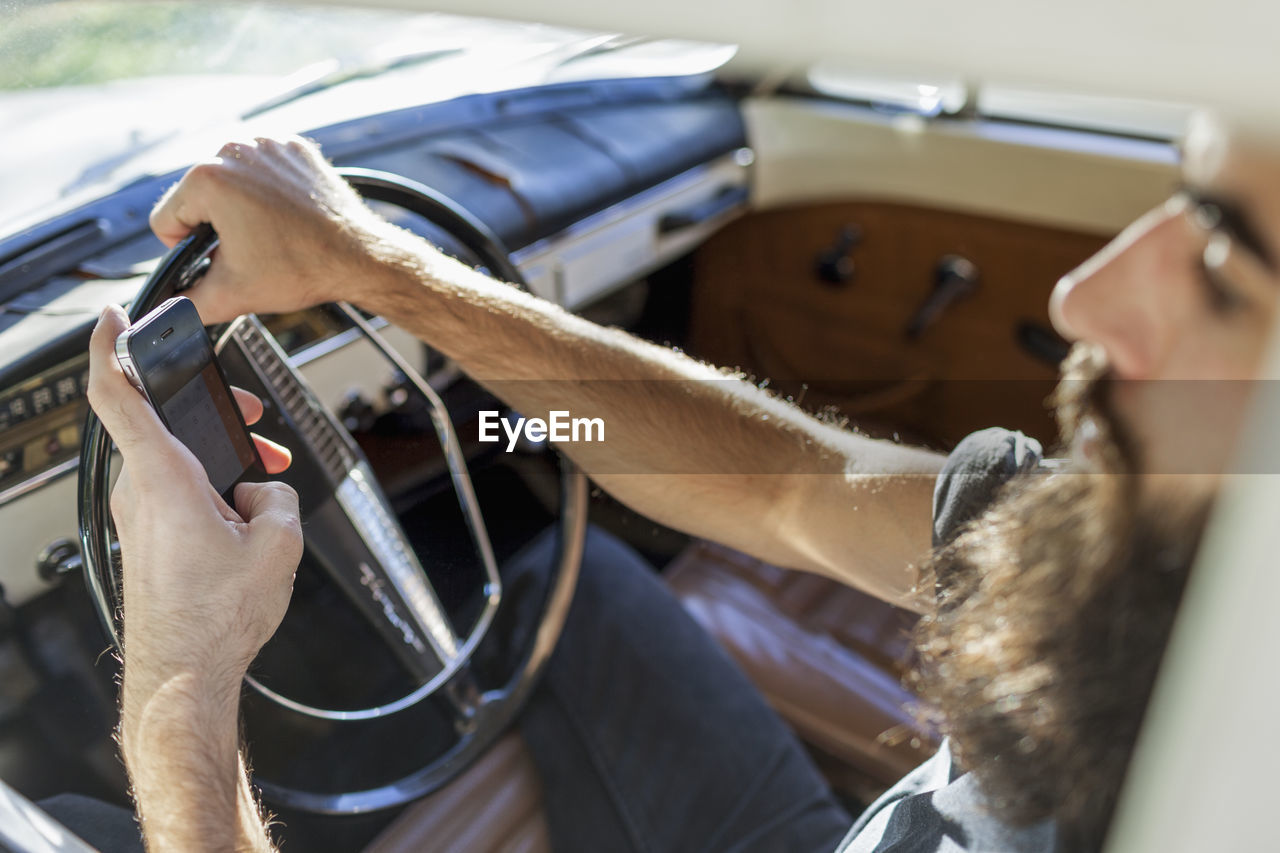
point(879, 251)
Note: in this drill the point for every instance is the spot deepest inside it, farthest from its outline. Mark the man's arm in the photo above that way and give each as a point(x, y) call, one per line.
point(205, 585)
point(686, 445)
point(180, 742)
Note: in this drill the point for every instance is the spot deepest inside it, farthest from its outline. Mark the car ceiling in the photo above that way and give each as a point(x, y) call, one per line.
point(1184, 50)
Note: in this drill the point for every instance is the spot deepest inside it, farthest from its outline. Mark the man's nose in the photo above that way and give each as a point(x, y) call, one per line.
point(1118, 298)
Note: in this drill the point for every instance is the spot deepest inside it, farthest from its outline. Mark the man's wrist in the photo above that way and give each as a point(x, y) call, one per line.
point(175, 697)
point(400, 266)
point(179, 737)
point(206, 662)
point(402, 250)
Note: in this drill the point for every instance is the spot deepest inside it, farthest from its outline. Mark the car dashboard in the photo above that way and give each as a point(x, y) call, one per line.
point(589, 185)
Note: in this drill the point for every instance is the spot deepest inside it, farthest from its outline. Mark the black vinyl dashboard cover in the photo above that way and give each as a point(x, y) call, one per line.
point(527, 163)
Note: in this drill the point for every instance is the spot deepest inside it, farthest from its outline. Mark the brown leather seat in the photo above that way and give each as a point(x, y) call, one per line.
point(827, 657)
point(494, 807)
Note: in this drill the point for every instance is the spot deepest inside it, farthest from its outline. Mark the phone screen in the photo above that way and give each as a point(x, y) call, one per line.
point(177, 366)
point(202, 415)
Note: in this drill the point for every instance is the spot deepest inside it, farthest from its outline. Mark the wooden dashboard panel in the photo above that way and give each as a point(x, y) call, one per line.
point(760, 304)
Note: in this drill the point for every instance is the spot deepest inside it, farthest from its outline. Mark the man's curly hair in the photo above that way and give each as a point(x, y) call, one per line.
point(1054, 608)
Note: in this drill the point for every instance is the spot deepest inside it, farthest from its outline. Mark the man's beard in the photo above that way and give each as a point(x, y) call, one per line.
point(1054, 609)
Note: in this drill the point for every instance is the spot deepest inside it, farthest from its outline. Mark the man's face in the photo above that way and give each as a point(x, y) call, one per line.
point(1181, 305)
point(1057, 602)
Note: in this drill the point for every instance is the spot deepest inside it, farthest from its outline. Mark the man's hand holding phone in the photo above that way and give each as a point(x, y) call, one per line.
point(205, 583)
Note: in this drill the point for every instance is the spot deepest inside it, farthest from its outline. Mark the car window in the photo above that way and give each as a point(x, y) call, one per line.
point(80, 43)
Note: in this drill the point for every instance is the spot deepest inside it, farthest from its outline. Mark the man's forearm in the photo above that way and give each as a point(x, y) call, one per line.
point(539, 358)
point(180, 741)
point(686, 444)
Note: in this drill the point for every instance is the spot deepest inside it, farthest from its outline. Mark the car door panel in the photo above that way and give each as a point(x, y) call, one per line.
point(761, 305)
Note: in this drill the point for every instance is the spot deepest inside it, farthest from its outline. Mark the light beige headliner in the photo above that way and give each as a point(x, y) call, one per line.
point(1221, 54)
point(809, 150)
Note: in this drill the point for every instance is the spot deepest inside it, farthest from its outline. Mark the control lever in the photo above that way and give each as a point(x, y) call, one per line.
point(835, 266)
point(954, 278)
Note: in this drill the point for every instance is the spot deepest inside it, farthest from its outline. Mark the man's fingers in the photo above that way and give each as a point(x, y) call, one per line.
point(201, 196)
point(172, 218)
point(178, 212)
point(127, 416)
point(275, 457)
point(271, 509)
point(250, 405)
point(180, 209)
point(155, 457)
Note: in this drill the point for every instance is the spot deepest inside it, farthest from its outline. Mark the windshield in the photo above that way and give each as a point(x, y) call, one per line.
point(93, 94)
point(85, 43)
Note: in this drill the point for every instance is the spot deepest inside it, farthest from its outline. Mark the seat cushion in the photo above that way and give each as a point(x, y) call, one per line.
point(493, 807)
point(828, 658)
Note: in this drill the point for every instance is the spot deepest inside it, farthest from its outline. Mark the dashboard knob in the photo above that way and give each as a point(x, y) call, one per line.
point(58, 558)
point(357, 413)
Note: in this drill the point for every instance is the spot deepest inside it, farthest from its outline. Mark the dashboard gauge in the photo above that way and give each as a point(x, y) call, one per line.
point(40, 423)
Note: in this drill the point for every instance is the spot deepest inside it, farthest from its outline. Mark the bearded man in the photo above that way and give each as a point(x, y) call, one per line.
point(1048, 591)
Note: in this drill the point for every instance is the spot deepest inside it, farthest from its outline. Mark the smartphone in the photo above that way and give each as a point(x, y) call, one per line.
point(167, 356)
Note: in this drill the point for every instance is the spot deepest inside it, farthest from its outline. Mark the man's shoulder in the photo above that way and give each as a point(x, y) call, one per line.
point(974, 472)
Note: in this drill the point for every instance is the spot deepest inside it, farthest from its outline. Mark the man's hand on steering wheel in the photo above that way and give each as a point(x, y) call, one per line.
point(292, 232)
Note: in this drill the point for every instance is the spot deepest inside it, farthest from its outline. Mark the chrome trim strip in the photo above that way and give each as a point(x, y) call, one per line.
point(27, 828)
point(19, 489)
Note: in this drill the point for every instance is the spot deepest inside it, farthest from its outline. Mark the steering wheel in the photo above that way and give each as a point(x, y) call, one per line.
point(452, 713)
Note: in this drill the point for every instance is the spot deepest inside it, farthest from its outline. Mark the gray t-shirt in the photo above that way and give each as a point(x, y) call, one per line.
point(936, 808)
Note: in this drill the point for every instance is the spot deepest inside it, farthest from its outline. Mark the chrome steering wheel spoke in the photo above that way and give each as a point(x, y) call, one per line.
point(352, 532)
